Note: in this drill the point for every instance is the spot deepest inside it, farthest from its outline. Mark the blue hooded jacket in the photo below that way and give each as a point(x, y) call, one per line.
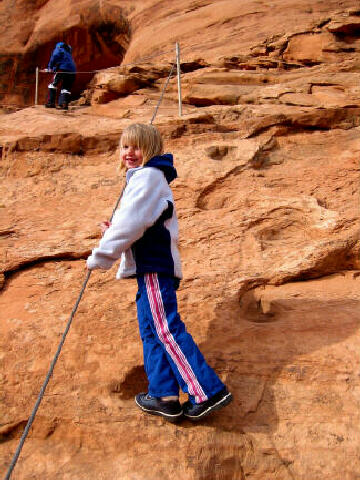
point(61, 58)
point(144, 230)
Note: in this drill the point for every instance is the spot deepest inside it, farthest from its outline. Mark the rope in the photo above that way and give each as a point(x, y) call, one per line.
point(58, 351)
point(139, 62)
point(43, 388)
point(151, 122)
point(162, 94)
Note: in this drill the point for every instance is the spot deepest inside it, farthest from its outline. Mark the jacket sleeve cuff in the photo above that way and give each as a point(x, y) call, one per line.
point(96, 263)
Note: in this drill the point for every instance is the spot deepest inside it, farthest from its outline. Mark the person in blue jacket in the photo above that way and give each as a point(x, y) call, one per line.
point(62, 63)
point(144, 235)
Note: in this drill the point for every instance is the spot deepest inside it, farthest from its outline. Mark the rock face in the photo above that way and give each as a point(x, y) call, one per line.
point(267, 153)
point(98, 32)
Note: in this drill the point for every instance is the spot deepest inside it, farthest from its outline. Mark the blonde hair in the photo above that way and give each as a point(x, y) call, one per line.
point(146, 137)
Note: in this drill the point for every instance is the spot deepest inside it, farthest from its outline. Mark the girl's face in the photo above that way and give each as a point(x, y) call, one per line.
point(131, 156)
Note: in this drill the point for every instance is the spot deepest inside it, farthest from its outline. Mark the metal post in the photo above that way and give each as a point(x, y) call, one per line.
point(36, 85)
point(178, 77)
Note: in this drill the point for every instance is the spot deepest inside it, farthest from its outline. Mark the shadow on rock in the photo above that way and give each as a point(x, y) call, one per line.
point(272, 353)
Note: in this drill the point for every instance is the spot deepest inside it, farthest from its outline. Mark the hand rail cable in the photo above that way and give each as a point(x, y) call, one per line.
point(107, 70)
point(58, 351)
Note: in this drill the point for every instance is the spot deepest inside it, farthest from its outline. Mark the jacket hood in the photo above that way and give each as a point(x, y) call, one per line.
point(64, 46)
point(165, 164)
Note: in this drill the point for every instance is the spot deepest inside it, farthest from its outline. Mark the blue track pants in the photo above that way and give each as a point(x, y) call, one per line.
point(171, 357)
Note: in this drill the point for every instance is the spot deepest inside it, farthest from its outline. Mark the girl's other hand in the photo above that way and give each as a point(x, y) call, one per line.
point(104, 226)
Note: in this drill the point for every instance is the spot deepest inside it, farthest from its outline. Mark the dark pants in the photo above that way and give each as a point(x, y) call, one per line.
point(65, 79)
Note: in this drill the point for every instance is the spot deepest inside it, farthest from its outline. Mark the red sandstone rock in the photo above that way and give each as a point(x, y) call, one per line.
point(268, 204)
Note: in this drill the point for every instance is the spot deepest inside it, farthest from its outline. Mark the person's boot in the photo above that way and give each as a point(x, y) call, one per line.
point(51, 97)
point(64, 99)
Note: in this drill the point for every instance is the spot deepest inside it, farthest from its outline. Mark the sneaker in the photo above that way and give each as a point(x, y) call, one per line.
point(50, 105)
point(170, 410)
point(198, 411)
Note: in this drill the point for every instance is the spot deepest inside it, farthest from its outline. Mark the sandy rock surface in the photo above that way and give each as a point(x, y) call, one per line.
point(268, 199)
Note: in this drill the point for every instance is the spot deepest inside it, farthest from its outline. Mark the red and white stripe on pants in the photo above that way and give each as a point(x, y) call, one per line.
point(168, 340)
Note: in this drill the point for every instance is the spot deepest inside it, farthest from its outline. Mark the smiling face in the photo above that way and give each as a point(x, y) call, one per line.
point(131, 155)
point(138, 144)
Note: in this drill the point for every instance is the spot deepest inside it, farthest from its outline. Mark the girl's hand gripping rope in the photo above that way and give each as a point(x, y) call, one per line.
point(103, 227)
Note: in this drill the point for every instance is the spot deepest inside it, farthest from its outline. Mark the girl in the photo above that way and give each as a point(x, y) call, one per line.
point(144, 233)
